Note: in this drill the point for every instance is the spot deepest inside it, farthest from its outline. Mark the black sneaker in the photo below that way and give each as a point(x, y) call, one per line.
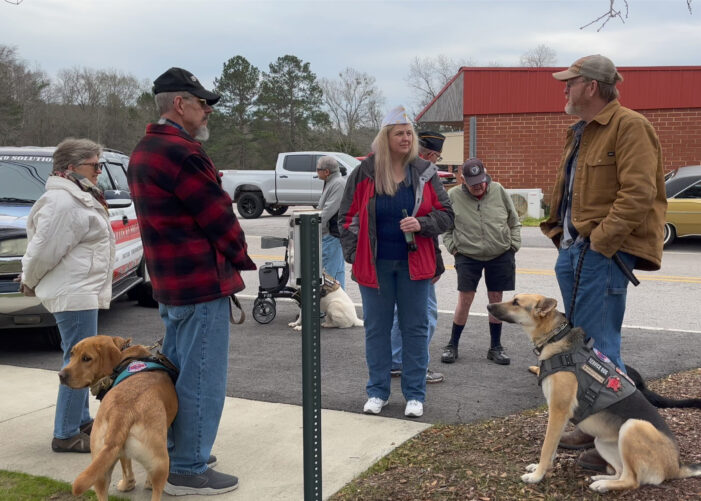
point(497, 356)
point(450, 354)
point(395, 372)
point(211, 463)
point(206, 483)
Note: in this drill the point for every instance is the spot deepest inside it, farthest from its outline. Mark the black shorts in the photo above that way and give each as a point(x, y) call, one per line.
point(499, 273)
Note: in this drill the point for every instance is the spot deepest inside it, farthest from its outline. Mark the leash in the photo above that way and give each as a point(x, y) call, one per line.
point(578, 272)
point(577, 275)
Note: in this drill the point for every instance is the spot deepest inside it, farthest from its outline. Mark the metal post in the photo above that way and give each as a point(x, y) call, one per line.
point(310, 280)
point(473, 137)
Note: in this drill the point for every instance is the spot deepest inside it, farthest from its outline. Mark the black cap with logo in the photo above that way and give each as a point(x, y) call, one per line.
point(178, 79)
point(473, 172)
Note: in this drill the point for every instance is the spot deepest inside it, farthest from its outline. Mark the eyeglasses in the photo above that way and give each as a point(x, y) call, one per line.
point(97, 166)
point(203, 102)
point(574, 81)
point(437, 156)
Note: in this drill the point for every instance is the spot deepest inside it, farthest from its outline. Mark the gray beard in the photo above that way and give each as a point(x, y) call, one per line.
point(202, 133)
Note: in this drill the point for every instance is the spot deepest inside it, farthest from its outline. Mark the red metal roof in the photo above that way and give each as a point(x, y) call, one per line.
point(489, 90)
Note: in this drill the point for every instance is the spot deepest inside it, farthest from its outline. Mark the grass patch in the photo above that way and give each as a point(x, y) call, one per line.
point(532, 221)
point(485, 460)
point(22, 487)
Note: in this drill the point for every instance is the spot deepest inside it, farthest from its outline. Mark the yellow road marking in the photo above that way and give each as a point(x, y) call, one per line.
point(547, 273)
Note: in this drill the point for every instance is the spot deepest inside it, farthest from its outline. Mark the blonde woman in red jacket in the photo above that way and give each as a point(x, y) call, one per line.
point(391, 196)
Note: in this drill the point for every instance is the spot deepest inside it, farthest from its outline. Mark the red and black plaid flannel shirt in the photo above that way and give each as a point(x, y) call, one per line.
point(193, 243)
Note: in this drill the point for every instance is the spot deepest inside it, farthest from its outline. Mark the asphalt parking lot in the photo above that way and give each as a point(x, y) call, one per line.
point(661, 335)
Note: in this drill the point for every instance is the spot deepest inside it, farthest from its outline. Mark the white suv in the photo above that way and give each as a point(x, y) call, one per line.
point(23, 174)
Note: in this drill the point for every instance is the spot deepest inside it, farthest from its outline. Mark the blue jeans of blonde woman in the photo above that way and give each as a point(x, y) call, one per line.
point(410, 298)
point(397, 334)
point(72, 405)
point(197, 342)
point(601, 296)
point(332, 259)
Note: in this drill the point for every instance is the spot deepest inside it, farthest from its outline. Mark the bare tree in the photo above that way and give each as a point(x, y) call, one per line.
point(353, 102)
point(21, 95)
point(539, 57)
point(428, 75)
point(614, 12)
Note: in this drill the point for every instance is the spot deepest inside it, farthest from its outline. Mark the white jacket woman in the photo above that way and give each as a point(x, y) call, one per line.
point(68, 265)
point(70, 255)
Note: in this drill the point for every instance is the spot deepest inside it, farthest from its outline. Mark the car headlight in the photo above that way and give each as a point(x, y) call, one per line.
point(13, 247)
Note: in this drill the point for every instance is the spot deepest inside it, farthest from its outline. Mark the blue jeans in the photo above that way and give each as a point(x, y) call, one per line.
point(72, 405)
point(197, 342)
point(332, 259)
point(397, 334)
point(601, 296)
point(410, 298)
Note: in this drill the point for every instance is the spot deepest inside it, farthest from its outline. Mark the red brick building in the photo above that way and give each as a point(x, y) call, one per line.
point(513, 118)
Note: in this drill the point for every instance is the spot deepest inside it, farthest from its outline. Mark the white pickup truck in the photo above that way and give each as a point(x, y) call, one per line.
point(293, 182)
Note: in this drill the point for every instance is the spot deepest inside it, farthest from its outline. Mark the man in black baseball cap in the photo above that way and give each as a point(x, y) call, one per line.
point(178, 79)
point(184, 103)
point(195, 252)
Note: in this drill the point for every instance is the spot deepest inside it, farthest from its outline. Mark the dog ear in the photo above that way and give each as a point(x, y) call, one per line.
point(545, 306)
point(120, 342)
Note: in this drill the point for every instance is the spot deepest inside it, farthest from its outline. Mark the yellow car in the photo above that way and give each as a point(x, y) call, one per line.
point(683, 187)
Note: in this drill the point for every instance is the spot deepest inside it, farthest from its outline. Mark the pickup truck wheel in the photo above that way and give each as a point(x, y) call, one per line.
point(250, 205)
point(276, 210)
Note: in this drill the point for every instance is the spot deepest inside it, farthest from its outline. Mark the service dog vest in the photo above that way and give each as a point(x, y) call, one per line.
point(600, 383)
point(132, 366)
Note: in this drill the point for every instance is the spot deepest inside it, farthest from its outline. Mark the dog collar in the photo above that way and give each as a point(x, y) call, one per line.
point(556, 334)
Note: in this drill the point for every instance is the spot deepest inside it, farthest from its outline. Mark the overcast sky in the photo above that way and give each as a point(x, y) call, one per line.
point(379, 37)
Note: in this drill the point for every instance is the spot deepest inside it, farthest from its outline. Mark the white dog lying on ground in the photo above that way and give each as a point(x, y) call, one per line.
point(336, 304)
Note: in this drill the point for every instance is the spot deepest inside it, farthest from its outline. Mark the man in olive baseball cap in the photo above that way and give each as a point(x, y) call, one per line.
point(178, 79)
point(595, 67)
point(607, 211)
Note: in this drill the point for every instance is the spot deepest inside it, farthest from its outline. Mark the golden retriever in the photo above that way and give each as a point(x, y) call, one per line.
point(132, 420)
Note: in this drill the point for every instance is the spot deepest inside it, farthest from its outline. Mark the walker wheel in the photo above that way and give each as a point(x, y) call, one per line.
point(264, 310)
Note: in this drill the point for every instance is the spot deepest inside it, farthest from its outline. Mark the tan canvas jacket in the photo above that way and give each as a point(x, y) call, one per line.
point(618, 198)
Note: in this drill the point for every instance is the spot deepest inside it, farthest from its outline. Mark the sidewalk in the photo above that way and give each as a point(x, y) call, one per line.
point(259, 442)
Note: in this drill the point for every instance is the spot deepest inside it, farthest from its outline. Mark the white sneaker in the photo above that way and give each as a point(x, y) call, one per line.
point(414, 408)
point(374, 405)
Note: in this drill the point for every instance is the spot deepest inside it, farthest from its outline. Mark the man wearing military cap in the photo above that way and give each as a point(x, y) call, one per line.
point(430, 148)
point(608, 202)
point(195, 251)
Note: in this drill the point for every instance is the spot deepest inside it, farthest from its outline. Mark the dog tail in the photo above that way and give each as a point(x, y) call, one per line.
point(102, 462)
point(658, 400)
point(690, 470)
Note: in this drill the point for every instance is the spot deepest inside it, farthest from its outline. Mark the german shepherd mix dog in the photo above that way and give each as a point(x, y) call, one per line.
point(629, 432)
point(133, 418)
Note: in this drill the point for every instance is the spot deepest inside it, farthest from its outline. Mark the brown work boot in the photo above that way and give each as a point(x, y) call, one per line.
point(576, 440)
point(591, 460)
point(76, 443)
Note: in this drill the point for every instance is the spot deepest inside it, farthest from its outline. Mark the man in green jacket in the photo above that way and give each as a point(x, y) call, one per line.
point(608, 202)
point(486, 236)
